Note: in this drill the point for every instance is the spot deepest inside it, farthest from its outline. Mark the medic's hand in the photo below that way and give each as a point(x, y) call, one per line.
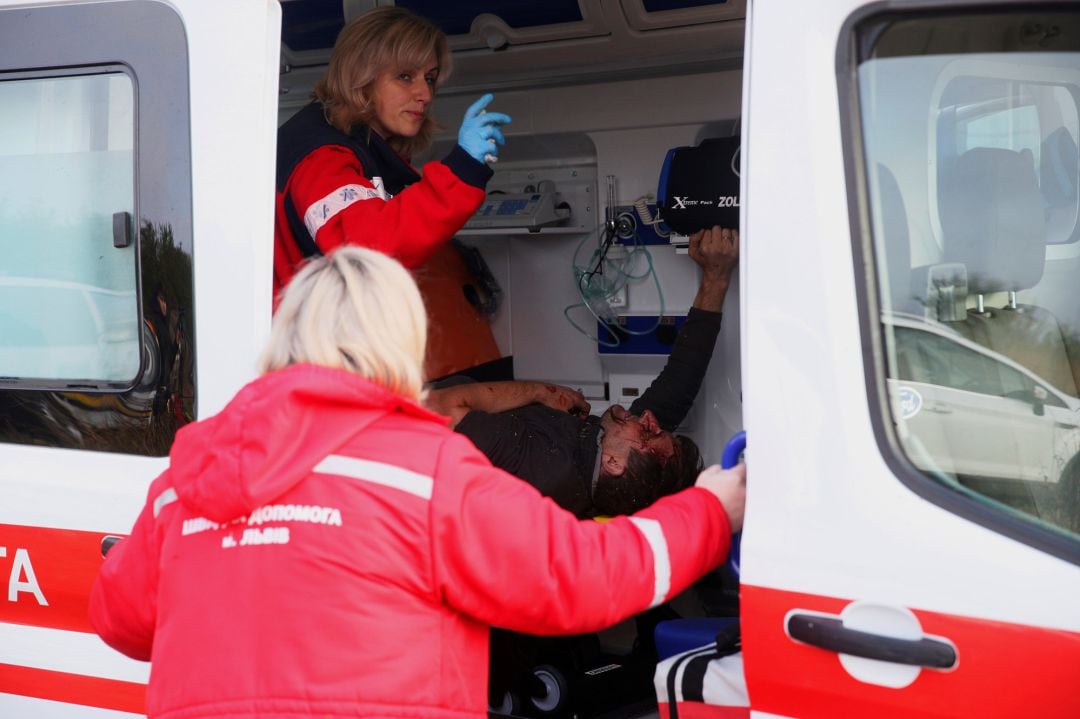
point(480, 135)
point(729, 486)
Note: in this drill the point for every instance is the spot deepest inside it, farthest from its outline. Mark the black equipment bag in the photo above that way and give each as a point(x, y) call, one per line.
point(699, 186)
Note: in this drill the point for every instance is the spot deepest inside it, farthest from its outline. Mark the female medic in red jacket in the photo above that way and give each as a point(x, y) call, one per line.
point(344, 176)
point(326, 546)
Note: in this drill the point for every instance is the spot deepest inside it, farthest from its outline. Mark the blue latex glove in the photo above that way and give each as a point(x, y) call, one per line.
point(480, 135)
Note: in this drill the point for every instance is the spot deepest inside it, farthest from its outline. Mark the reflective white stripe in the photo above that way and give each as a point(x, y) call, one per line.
point(387, 475)
point(166, 497)
point(71, 652)
point(654, 535)
point(322, 211)
point(12, 705)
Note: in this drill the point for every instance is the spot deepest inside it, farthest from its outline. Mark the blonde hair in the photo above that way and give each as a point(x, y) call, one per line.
point(385, 38)
point(354, 309)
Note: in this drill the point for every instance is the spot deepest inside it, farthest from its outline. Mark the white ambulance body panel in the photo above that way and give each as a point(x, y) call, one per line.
point(57, 504)
point(813, 350)
point(873, 492)
point(838, 523)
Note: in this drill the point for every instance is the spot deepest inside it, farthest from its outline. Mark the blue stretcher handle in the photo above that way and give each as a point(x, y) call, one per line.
point(732, 451)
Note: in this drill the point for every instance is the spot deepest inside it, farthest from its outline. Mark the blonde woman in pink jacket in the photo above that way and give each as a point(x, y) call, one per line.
point(326, 546)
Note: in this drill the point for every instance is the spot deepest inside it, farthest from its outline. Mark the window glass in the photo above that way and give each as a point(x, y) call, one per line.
point(1013, 129)
point(68, 306)
point(973, 176)
point(948, 361)
point(1038, 120)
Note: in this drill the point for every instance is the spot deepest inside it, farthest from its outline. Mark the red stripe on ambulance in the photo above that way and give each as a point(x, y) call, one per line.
point(73, 688)
point(1003, 669)
point(698, 710)
point(47, 575)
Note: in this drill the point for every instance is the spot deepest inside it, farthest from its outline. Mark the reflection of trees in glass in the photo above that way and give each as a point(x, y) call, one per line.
point(164, 265)
point(167, 302)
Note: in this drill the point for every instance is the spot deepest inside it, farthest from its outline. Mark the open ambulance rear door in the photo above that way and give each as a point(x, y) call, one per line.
point(136, 171)
point(910, 359)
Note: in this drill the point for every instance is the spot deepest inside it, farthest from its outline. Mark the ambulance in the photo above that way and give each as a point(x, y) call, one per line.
point(901, 342)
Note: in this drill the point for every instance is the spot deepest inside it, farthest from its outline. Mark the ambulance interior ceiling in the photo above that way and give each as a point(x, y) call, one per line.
point(597, 88)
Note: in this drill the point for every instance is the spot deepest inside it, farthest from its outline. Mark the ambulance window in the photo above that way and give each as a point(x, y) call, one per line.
point(1013, 129)
point(96, 277)
point(68, 308)
point(1038, 120)
point(969, 126)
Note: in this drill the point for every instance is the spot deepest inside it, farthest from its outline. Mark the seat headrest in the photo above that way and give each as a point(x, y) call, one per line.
point(992, 220)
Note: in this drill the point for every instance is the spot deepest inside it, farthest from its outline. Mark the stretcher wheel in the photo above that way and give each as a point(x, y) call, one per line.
point(555, 689)
point(509, 705)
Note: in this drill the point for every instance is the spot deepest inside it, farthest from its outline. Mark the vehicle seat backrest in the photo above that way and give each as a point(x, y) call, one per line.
point(937, 291)
point(993, 223)
point(1058, 161)
point(1029, 335)
point(894, 231)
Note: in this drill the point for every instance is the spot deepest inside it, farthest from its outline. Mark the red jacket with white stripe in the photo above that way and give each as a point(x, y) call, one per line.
point(335, 189)
point(323, 547)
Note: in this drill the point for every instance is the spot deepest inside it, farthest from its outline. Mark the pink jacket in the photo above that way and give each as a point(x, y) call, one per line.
point(324, 547)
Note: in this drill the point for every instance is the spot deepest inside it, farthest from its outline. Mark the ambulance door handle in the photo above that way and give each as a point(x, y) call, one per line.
point(122, 225)
point(831, 634)
point(107, 543)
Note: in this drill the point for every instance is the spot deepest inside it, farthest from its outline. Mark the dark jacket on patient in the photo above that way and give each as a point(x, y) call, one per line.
point(557, 452)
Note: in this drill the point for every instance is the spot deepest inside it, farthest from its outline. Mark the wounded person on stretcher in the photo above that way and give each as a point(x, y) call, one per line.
point(624, 460)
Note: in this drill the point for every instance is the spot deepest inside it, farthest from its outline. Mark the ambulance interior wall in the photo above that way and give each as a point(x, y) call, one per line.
point(617, 128)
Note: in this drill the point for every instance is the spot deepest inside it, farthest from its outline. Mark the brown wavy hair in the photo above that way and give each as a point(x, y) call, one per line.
point(646, 479)
point(385, 38)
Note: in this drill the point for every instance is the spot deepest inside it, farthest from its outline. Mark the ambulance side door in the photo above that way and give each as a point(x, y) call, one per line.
point(886, 570)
